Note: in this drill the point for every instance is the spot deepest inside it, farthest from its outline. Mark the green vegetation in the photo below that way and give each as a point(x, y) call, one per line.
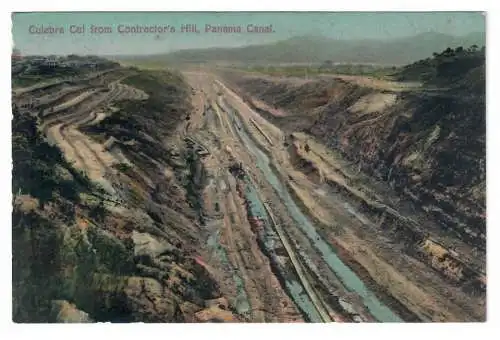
point(325, 68)
point(445, 68)
point(36, 163)
point(139, 63)
point(42, 75)
point(20, 81)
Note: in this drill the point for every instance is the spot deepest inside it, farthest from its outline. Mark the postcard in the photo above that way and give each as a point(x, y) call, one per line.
point(248, 167)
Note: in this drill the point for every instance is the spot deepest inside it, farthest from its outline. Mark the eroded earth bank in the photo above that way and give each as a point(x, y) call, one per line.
point(223, 196)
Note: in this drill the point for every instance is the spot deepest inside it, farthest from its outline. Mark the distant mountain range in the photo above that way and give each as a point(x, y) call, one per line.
point(313, 49)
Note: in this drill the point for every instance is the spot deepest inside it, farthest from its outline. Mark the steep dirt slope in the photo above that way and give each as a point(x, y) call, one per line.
point(125, 251)
point(427, 144)
point(412, 162)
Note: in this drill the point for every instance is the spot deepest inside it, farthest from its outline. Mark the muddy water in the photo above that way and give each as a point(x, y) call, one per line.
point(271, 240)
point(351, 281)
point(241, 302)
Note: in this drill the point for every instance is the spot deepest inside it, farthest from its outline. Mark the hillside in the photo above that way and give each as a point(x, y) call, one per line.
point(119, 246)
point(447, 67)
point(428, 144)
point(312, 49)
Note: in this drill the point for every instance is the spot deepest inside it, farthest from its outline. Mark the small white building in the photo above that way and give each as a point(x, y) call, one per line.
point(51, 62)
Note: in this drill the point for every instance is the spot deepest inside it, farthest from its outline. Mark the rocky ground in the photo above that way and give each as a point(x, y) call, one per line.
point(410, 164)
point(157, 196)
point(103, 231)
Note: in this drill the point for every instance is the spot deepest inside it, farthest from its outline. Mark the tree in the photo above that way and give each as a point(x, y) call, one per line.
point(472, 49)
point(449, 52)
point(326, 64)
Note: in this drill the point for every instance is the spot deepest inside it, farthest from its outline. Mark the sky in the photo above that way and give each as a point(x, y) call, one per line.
point(340, 25)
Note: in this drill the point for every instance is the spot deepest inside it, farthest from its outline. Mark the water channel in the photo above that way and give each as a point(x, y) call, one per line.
point(352, 282)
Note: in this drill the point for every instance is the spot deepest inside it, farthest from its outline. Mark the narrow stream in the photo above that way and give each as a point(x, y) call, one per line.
point(352, 282)
point(271, 241)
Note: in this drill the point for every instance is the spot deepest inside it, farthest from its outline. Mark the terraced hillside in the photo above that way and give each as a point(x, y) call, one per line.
point(101, 231)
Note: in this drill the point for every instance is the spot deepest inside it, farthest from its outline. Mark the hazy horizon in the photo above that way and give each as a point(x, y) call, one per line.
point(27, 36)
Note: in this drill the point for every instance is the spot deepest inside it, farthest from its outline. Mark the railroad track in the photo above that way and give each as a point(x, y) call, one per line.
point(261, 131)
point(323, 313)
point(299, 268)
point(325, 316)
